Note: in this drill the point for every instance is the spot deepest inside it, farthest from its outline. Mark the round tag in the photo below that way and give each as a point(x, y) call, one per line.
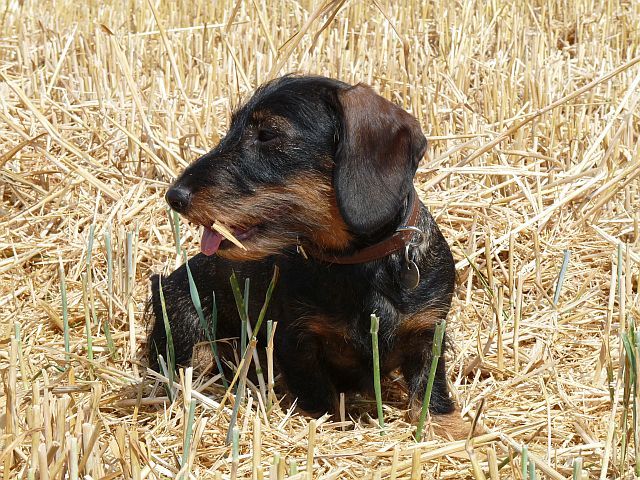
point(410, 275)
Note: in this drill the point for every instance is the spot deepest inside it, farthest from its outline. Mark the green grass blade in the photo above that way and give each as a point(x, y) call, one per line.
point(174, 221)
point(630, 390)
point(87, 315)
point(240, 388)
point(171, 368)
point(129, 263)
point(92, 310)
point(92, 230)
point(245, 325)
point(375, 325)
point(65, 312)
point(563, 271)
point(107, 323)
point(619, 272)
point(636, 420)
point(577, 469)
point(237, 295)
point(186, 445)
point(436, 350)
point(214, 339)
point(267, 299)
point(235, 444)
point(532, 471)
point(240, 305)
point(524, 458)
point(195, 299)
point(209, 334)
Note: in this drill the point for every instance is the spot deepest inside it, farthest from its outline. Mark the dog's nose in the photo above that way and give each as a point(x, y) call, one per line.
point(179, 198)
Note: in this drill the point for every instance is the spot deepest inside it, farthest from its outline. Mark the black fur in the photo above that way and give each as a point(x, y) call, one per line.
point(322, 344)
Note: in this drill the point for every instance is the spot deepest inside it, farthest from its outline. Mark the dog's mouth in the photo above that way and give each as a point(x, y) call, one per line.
point(212, 241)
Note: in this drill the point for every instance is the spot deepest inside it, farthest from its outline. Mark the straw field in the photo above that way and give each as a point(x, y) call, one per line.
point(533, 173)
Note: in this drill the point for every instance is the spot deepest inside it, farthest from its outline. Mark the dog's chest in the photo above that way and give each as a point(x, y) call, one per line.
point(337, 342)
point(333, 307)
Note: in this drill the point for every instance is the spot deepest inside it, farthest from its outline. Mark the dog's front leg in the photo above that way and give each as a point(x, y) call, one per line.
point(300, 361)
point(415, 369)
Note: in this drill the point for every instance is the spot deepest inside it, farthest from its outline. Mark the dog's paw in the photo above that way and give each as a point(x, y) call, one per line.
point(449, 426)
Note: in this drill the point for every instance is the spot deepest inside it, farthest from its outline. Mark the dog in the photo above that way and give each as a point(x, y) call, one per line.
point(315, 176)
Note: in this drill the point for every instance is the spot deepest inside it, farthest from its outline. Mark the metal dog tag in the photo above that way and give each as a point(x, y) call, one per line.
point(410, 275)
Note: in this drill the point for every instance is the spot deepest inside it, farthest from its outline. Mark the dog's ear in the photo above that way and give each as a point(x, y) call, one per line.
point(377, 156)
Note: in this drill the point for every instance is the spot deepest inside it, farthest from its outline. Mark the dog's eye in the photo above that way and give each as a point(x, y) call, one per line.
point(266, 135)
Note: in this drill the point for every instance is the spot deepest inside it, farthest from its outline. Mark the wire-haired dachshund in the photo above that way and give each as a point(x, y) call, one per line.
point(316, 177)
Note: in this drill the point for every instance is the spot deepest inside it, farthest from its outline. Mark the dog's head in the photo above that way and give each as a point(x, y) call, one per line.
point(306, 160)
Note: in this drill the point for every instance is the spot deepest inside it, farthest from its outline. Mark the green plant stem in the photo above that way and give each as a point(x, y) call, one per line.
point(375, 325)
point(436, 350)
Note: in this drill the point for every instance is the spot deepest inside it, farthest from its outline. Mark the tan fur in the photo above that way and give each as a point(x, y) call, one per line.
point(333, 338)
point(419, 323)
point(308, 199)
point(451, 426)
point(324, 328)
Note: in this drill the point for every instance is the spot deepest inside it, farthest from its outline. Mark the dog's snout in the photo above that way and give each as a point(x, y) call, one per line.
point(179, 198)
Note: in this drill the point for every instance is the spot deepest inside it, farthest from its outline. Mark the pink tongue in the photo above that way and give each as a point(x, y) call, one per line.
point(210, 241)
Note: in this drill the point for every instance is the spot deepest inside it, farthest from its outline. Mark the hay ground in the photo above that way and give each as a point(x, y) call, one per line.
point(101, 105)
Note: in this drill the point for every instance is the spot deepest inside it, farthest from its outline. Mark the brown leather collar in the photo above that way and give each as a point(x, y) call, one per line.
point(392, 244)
